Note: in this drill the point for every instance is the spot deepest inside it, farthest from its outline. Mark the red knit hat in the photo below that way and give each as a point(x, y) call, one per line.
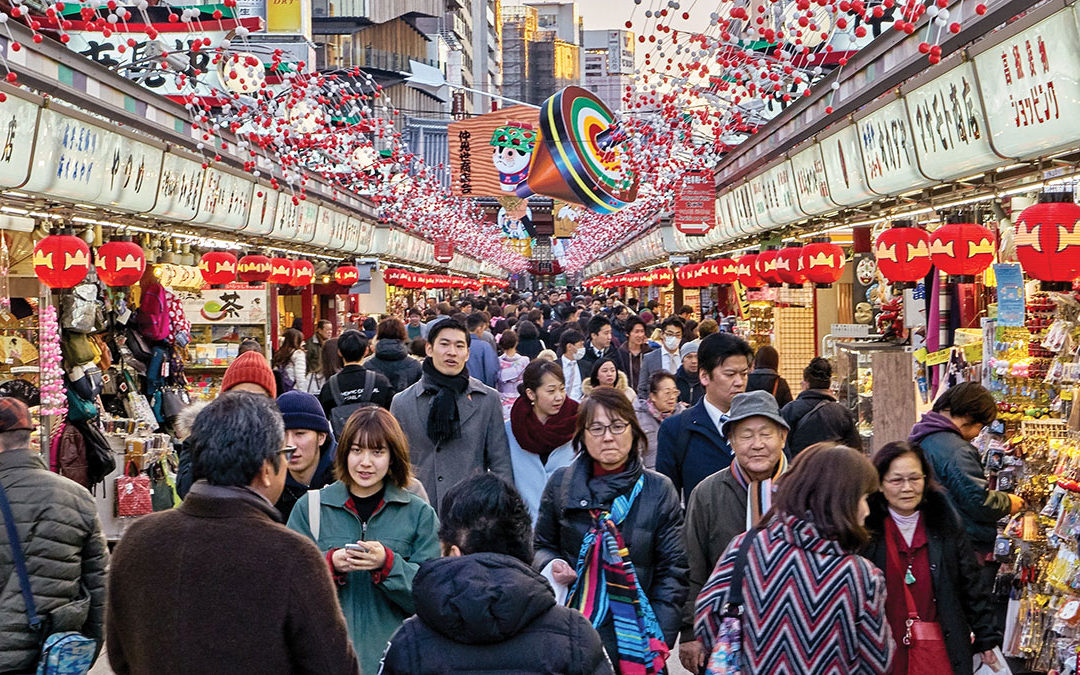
point(250, 367)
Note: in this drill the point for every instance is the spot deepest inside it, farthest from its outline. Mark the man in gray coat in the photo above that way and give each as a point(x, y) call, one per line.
point(453, 422)
point(61, 539)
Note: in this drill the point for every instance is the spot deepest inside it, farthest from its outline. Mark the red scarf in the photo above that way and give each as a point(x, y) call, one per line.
point(541, 438)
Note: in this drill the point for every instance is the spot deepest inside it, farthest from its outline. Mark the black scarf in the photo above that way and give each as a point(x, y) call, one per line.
point(444, 422)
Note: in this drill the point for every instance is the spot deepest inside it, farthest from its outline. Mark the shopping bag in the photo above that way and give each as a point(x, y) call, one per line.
point(133, 496)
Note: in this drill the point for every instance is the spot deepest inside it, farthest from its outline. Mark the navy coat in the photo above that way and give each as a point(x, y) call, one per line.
point(689, 449)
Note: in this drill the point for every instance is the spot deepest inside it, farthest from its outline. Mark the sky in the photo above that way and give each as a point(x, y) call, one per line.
point(605, 14)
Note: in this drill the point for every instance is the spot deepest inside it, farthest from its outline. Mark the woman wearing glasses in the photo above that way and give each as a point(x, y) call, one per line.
point(610, 531)
point(918, 541)
point(373, 531)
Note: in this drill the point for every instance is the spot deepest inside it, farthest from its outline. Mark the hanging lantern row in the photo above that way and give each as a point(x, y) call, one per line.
point(406, 279)
point(347, 275)
point(253, 269)
point(120, 262)
point(905, 253)
point(62, 260)
point(662, 276)
point(1048, 241)
point(821, 262)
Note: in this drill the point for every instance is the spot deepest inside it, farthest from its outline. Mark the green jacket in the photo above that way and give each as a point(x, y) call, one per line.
point(406, 525)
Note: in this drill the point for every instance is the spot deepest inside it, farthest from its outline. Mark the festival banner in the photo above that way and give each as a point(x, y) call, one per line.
point(489, 154)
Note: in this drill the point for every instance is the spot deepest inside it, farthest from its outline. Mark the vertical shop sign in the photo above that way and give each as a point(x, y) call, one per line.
point(811, 185)
point(18, 125)
point(843, 167)
point(888, 150)
point(780, 194)
point(444, 251)
point(132, 172)
point(490, 154)
point(263, 209)
point(695, 204)
point(179, 189)
point(1010, 280)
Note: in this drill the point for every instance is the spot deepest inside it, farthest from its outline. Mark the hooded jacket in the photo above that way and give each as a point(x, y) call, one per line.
point(620, 385)
point(488, 612)
point(957, 467)
point(323, 476)
point(392, 360)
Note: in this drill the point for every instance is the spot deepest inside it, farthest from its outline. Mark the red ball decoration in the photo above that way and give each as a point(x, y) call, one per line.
point(61, 260)
point(120, 262)
point(1048, 241)
point(766, 267)
point(281, 271)
point(823, 262)
point(962, 250)
point(903, 254)
point(253, 269)
point(347, 275)
point(789, 266)
point(303, 273)
point(218, 268)
point(747, 271)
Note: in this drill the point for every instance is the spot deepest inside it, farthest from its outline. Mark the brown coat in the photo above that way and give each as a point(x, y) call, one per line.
point(219, 585)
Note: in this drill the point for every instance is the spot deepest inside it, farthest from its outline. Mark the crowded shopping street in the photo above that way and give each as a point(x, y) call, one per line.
point(577, 337)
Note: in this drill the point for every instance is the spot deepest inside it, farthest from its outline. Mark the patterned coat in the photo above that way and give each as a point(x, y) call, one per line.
point(810, 608)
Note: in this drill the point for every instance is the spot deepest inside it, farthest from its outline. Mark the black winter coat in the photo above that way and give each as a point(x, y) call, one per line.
point(652, 531)
point(690, 389)
point(767, 379)
point(530, 347)
point(392, 360)
point(830, 422)
point(489, 612)
point(962, 600)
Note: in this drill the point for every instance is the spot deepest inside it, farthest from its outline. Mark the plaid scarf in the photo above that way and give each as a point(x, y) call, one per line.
point(607, 584)
point(758, 492)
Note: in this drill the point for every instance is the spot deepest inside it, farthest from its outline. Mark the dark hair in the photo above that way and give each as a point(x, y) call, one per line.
point(968, 400)
point(673, 321)
point(475, 320)
point(298, 323)
point(659, 376)
point(233, 435)
point(414, 312)
point(597, 323)
point(370, 323)
point(249, 345)
point(890, 452)
point(352, 345)
point(485, 514)
point(632, 321)
point(373, 427)
point(686, 309)
point(323, 322)
point(818, 373)
point(508, 339)
point(594, 375)
point(331, 360)
point(536, 316)
point(391, 328)
point(527, 330)
point(533, 375)
point(448, 324)
point(565, 311)
point(418, 347)
point(617, 405)
point(767, 357)
point(718, 347)
point(824, 485)
point(445, 308)
point(292, 340)
point(501, 326)
point(570, 336)
point(707, 327)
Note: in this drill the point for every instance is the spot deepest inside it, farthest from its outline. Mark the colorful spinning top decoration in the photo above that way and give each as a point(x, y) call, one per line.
point(61, 260)
point(576, 157)
point(120, 262)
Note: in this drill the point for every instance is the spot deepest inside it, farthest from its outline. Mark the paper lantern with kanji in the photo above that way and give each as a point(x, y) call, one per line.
point(281, 271)
point(823, 262)
point(1048, 241)
point(903, 254)
point(789, 266)
point(61, 260)
point(303, 273)
point(766, 267)
point(120, 262)
point(347, 275)
point(218, 268)
point(747, 271)
point(254, 269)
point(962, 250)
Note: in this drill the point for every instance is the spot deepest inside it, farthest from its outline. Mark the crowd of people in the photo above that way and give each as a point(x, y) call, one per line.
point(518, 484)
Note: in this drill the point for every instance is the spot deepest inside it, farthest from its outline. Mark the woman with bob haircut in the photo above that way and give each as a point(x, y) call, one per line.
point(373, 531)
point(611, 531)
point(811, 605)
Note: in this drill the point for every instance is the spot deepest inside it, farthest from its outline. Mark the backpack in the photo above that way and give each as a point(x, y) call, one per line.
point(343, 411)
point(100, 461)
point(283, 380)
point(153, 315)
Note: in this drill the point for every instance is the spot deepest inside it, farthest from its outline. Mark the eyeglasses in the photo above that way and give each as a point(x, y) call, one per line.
point(616, 428)
point(288, 451)
point(668, 333)
point(900, 481)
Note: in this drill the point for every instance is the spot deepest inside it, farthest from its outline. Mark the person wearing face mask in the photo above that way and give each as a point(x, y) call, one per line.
point(663, 402)
point(307, 431)
point(572, 348)
point(666, 358)
point(540, 429)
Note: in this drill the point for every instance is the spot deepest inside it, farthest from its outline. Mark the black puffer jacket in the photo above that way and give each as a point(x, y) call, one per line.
point(960, 597)
point(392, 360)
point(488, 612)
point(652, 531)
point(830, 422)
point(690, 389)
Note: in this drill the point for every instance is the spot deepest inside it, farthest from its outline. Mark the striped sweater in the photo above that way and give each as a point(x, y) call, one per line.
point(810, 608)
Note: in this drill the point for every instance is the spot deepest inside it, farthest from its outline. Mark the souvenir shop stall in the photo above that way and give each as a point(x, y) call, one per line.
point(405, 289)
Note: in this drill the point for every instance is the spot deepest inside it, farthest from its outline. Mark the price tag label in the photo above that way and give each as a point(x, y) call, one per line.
point(920, 354)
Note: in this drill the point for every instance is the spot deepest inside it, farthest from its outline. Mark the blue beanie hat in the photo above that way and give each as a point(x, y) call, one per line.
point(301, 410)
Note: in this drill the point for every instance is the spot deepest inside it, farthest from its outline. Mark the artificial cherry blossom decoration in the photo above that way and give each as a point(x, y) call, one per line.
point(53, 394)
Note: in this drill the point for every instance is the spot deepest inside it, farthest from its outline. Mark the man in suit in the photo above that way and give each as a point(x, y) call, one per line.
point(598, 346)
point(666, 358)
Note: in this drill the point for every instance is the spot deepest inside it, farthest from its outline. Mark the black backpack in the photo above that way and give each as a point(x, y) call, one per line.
point(343, 411)
point(99, 456)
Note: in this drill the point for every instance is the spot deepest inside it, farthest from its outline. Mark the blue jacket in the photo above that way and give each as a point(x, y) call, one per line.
point(483, 364)
point(689, 449)
point(530, 474)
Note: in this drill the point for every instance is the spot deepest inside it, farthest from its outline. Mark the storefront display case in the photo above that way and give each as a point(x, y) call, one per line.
point(874, 380)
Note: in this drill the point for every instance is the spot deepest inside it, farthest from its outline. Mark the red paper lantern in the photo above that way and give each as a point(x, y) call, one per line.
point(766, 267)
point(281, 271)
point(120, 262)
point(789, 266)
point(303, 274)
point(962, 250)
point(903, 254)
point(823, 262)
point(747, 271)
point(61, 260)
point(218, 268)
point(1048, 240)
point(347, 275)
point(727, 271)
point(254, 269)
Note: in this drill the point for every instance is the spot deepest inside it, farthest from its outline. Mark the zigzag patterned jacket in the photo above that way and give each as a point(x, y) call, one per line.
point(810, 608)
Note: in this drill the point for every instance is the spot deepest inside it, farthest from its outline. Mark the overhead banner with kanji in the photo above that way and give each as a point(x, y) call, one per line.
point(489, 154)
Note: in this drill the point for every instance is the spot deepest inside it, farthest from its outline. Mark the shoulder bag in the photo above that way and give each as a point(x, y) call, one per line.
point(924, 639)
point(70, 652)
point(726, 657)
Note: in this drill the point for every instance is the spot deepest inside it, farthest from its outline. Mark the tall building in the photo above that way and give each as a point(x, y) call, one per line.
point(486, 52)
point(609, 64)
point(561, 17)
point(519, 26)
point(536, 62)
